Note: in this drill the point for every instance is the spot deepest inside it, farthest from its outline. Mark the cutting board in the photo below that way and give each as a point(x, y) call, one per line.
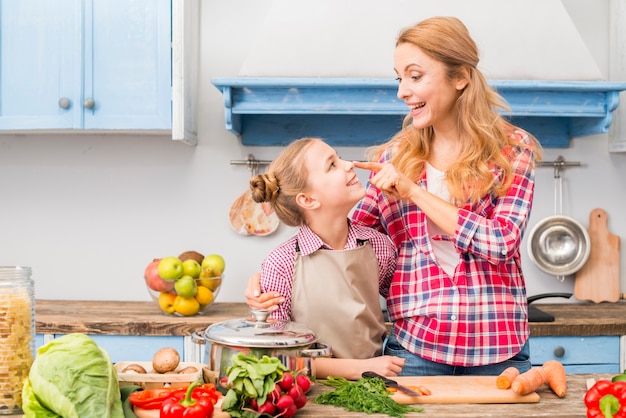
point(459, 389)
point(598, 279)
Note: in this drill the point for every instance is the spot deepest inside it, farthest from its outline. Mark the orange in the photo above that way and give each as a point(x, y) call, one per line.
point(186, 306)
point(166, 302)
point(204, 295)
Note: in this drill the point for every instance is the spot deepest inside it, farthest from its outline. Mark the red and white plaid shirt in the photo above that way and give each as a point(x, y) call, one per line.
point(479, 316)
point(277, 268)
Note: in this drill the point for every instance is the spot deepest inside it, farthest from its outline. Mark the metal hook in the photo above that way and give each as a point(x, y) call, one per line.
point(558, 165)
point(252, 163)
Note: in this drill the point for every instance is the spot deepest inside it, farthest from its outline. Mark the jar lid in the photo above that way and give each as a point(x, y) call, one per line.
point(260, 332)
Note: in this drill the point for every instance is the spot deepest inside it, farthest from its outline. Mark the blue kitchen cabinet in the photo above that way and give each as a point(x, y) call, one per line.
point(592, 354)
point(85, 65)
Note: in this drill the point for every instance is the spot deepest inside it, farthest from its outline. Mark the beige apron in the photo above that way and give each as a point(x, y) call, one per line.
point(335, 293)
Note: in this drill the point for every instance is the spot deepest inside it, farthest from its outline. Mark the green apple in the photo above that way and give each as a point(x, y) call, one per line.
point(186, 287)
point(191, 268)
point(170, 268)
point(214, 263)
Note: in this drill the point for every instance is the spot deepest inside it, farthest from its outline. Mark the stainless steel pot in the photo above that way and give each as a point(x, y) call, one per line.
point(293, 343)
point(559, 245)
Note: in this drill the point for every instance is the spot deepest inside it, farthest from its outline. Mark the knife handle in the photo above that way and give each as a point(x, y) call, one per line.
point(388, 382)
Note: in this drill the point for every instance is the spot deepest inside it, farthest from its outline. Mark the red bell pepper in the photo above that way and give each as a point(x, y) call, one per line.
point(606, 399)
point(191, 404)
point(152, 398)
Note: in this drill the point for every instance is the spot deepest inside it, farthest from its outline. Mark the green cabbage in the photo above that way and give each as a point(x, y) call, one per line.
point(72, 377)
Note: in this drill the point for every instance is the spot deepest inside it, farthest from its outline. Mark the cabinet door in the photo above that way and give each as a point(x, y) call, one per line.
point(127, 64)
point(39, 64)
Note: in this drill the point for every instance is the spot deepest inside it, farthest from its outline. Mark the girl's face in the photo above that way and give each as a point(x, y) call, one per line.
point(332, 181)
point(426, 89)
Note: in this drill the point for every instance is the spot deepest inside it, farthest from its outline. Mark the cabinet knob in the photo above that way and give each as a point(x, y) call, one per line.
point(559, 351)
point(64, 103)
point(89, 103)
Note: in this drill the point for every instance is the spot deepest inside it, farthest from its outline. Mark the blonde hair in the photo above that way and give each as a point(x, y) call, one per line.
point(484, 133)
point(285, 178)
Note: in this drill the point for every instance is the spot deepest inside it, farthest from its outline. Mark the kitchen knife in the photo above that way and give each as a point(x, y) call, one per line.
point(391, 383)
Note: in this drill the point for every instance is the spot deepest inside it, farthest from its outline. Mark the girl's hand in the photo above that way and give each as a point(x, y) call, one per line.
point(257, 300)
point(384, 365)
point(387, 179)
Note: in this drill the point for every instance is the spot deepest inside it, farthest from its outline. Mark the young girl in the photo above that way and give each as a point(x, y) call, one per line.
point(331, 271)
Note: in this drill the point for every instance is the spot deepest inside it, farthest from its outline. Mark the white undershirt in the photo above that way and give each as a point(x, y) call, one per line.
point(445, 254)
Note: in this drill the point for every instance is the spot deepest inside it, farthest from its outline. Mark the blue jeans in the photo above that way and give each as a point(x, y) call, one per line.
point(418, 366)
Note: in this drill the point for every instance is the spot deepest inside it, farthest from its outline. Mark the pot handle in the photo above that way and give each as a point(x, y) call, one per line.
point(197, 337)
point(317, 350)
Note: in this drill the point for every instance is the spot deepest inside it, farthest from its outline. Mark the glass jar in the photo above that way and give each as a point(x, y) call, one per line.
point(17, 335)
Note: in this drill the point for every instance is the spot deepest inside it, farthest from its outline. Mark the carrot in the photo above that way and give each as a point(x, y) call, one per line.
point(554, 372)
point(528, 381)
point(424, 390)
point(504, 380)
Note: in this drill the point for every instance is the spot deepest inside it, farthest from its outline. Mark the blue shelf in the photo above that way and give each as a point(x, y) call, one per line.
point(365, 112)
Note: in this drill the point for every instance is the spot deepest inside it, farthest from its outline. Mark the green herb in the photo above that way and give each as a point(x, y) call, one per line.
point(364, 395)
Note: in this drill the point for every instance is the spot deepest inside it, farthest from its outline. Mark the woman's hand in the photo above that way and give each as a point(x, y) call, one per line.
point(257, 300)
point(388, 179)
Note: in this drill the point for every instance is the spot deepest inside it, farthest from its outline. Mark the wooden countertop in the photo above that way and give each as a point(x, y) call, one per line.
point(126, 318)
point(549, 405)
point(145, 318)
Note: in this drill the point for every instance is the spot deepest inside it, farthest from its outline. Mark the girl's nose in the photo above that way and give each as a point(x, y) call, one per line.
point(349, 165)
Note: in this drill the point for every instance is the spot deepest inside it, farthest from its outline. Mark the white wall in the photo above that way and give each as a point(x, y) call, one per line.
point(88, 212)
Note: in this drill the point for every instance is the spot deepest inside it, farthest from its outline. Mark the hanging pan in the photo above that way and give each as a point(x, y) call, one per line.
point(559, 245)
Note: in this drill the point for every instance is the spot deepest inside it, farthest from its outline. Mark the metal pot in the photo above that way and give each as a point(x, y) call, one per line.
point(559, 245)
point(294, 344)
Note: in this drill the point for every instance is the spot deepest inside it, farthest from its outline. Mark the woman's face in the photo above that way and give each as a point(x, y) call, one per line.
point(332, 181)
point(426, 89)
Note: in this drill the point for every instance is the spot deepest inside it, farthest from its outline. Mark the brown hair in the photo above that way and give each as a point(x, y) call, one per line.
point(285, 178)
point(483, 131)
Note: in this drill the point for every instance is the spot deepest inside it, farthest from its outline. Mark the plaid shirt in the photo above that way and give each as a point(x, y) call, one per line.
point(277, 269)
point(480, 315)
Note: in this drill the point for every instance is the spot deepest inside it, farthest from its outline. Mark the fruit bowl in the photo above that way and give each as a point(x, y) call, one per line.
point(171, 303)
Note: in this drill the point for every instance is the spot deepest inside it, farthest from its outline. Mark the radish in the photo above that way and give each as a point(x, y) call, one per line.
point(267, 408)
point(304, 382)
point(253, 404)
point(287, 381)
point(289, 412)
point(295, 391)
point(300, 401)
point(275, 394)
point(284, 402)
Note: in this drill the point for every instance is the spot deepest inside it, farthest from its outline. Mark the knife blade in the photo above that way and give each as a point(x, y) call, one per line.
point(390, 383)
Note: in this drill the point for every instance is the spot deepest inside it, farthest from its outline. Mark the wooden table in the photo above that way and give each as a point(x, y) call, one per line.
point(550, 405)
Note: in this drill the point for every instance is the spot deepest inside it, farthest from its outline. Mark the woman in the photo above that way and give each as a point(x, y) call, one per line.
point(453, 189)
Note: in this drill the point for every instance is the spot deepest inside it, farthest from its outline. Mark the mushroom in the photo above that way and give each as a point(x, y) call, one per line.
point(165, 360)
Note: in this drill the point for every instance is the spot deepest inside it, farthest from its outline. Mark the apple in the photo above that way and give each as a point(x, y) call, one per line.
point(191, 268)
point(153, 280)
point(170, 268)
point(186, 286)
point(214, 263)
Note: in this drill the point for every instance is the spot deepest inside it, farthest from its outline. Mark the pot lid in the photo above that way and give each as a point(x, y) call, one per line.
point(260, 332)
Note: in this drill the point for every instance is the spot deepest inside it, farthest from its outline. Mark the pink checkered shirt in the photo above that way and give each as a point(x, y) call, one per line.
point(277, 268)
